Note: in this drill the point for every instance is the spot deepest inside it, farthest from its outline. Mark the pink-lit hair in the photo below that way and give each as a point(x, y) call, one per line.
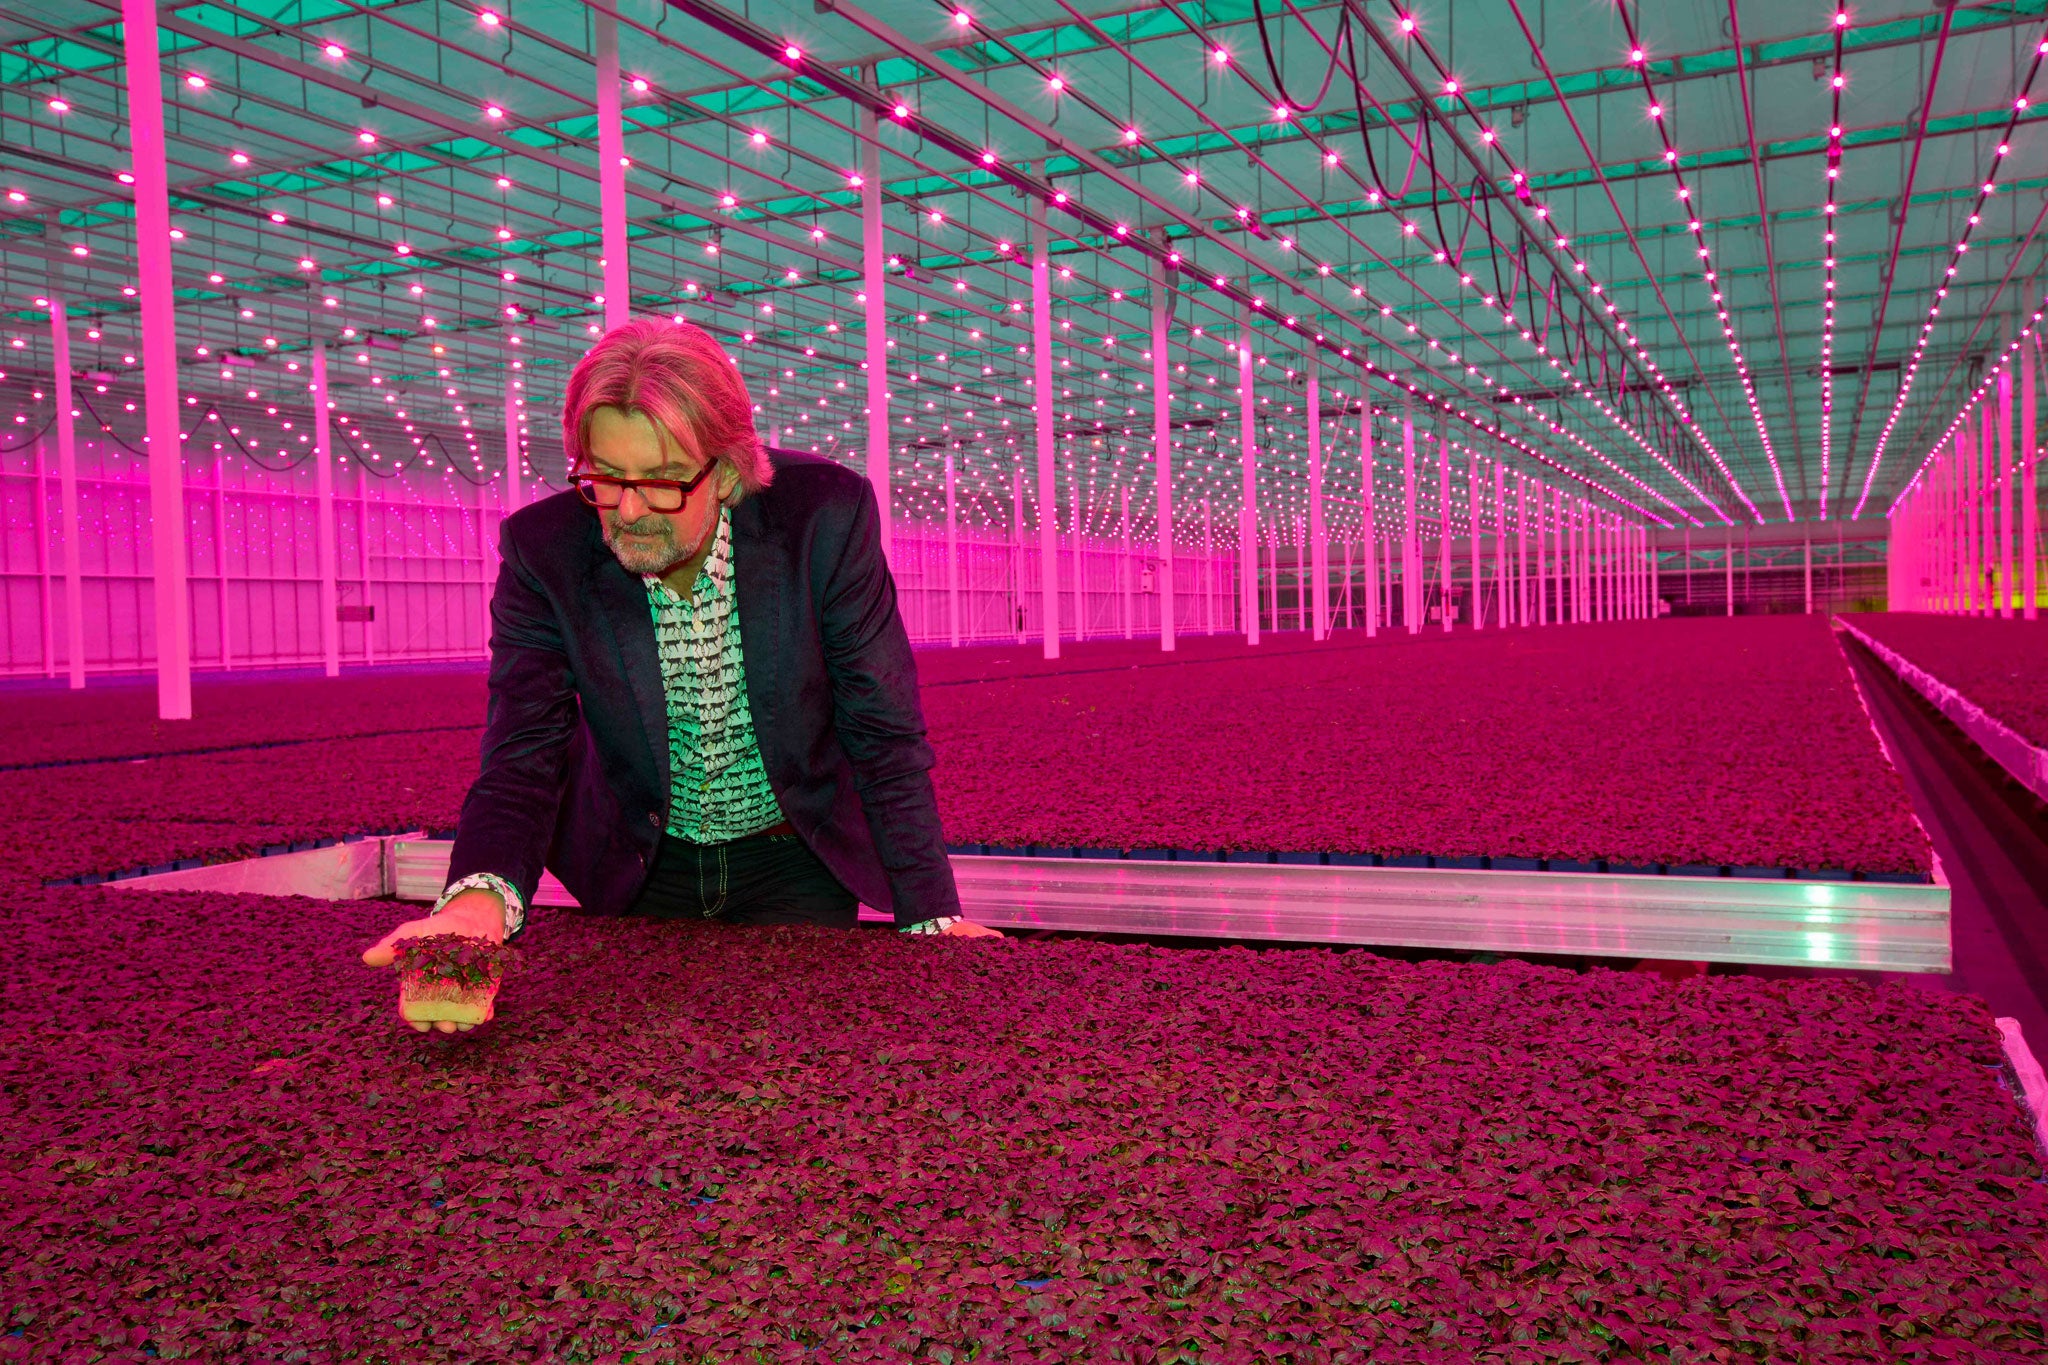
point(679, 377)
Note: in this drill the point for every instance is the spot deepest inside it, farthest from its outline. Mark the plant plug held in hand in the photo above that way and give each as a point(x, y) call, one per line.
point(450, 977)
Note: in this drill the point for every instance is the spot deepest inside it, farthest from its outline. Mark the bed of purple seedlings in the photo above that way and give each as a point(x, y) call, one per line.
point(1998, 664)
point(695, 1143)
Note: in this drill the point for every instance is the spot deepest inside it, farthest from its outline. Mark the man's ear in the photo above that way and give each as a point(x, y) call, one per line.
point(728, 480)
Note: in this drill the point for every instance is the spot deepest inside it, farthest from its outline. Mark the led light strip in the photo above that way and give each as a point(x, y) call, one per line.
point(2019, 108)
point(1519, 178)
point(989, 160)
point(1696, 224)
point(1985, 389)
point(1060, 85)
point(1827, 317)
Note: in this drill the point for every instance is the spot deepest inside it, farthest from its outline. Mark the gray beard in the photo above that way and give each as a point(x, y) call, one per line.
point(655, 558)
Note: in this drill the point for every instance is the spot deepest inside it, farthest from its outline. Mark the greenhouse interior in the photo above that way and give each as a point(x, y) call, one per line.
point(1388, 566)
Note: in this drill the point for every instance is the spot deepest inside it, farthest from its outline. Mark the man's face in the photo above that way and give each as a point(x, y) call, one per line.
point(629, 446)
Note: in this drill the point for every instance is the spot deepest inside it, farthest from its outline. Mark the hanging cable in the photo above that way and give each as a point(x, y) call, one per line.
point(31, 438)
point(1273, 67)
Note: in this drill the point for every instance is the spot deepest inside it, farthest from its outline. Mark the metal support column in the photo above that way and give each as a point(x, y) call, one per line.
point(1248, 511)
point(1368, 531)
point(67, 495)
point(952, 560)
point(1318, 554)
point(324, 531)
point(1162, 451)
point(611, 167)
point(1041, 417)
point(2030, 461)
point(158, 324)
point(875, 324)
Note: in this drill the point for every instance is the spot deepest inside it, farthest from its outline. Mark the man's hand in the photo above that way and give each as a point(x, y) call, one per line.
point(472, 914)
point(967, 928)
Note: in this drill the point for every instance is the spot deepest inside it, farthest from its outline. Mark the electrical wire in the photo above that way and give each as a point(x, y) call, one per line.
point(31, 438)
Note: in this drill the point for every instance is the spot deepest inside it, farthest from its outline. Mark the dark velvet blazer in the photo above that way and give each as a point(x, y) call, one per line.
point(575, 749)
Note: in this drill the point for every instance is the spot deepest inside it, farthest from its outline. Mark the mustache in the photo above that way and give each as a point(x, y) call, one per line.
point(651, 524)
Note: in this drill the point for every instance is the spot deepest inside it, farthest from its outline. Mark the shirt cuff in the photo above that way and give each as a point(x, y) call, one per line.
point(931, 926)
point(515, 905)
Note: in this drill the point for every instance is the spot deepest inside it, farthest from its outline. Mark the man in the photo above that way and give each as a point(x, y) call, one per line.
point(702, 699)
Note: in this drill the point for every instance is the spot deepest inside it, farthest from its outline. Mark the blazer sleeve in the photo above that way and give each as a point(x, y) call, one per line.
point(880, 721)
point(508, 818)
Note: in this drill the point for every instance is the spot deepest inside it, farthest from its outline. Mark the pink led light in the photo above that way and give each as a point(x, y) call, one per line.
point(334, 51)
point(60, 106)
point(197, 82)
point(1827, 317)
point(1912, 368)
point(488, 18)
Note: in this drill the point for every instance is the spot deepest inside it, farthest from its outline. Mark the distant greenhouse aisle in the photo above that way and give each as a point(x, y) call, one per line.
point(1703, 741)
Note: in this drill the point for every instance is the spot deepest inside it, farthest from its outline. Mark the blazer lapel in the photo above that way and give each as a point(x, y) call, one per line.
point(619, 603)
point(761, 577)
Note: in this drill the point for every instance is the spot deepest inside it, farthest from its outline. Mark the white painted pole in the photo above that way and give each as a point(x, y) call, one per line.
point(46, 605)
point(952, 560)
point(1074, 537)
point(1729, 559)
point(1473, 534)
point(1318, 535)
point(1368, 529)
point(159, 359)
point(2030, 514)
point(2006, 557)
point(874, 271)
point(1521, 570)
point(1411, 546)
point(220, 560)
point(611, 168)
point(1162, 452)
point(67, 496)
point(1124, 564)
point(513, 495)
point(1208, 573)
point(1443, 530)
point(1247, 520)
point(1500, 544)
point(483, 565)
point(324, 528)
point(1017, 545)
point(363, 554)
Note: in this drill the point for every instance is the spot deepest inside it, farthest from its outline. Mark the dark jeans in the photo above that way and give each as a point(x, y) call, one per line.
point(762, 879)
